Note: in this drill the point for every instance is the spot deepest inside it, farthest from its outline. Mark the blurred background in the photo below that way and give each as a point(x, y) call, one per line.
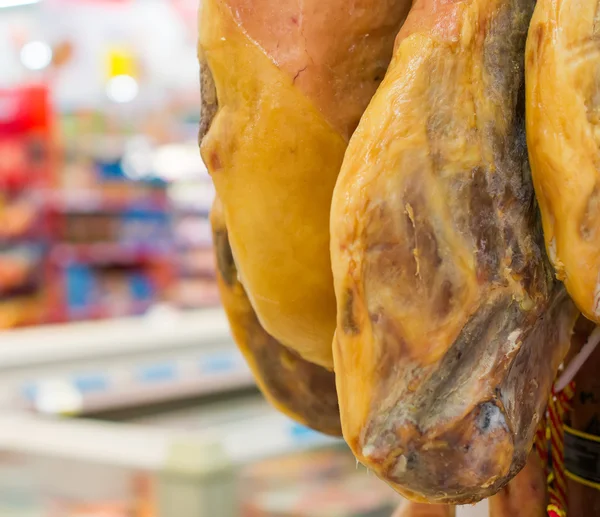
point(121, 391)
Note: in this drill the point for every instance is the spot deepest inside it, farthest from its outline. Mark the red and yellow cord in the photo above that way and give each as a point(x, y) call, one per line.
point(549, 443)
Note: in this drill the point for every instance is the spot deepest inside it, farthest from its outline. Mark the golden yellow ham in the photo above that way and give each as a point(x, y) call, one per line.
point(290, 81)
point(563, 136)
point(297, 388)
point(451, 325)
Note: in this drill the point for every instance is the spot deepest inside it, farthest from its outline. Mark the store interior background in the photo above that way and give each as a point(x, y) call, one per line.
point(121, 391)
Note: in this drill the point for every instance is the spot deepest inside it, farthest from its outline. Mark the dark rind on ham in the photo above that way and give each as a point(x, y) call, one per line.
point(305, 389)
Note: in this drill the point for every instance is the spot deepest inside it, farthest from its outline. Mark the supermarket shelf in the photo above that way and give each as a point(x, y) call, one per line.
point(195, 471)
point(107, 252)
point(122, 445)
point(149, 447)
point(92, 366)
point(157, 330)
point(90, 201)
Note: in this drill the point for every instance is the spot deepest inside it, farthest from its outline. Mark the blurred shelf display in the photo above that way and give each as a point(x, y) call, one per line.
point(315, 484)
point(84, 200)
point(115, 224)
point(139, 470)
point(195, 285)
point(91, 366)
point(27, 165)
point(113, 191)
point(193, 472)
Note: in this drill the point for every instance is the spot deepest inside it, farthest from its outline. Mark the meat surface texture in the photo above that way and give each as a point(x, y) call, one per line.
point(450, 324)
point(290, 81)
point(563, 133)
point(297, 388)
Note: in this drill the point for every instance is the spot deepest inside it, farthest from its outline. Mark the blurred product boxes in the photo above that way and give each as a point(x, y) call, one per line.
point(112, 252)
point(96, 220)
point(27, 164)
point(196, 284)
